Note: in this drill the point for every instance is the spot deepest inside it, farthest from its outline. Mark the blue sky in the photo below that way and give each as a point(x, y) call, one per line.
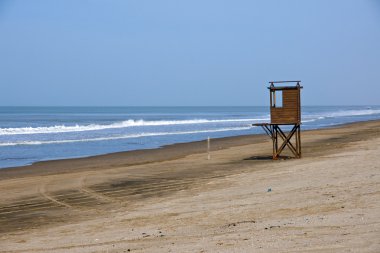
point(170, 52)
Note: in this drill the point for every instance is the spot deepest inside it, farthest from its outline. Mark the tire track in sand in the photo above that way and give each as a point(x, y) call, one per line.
point(42, 191)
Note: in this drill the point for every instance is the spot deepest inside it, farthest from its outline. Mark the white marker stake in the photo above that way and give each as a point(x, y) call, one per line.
point(208, 148)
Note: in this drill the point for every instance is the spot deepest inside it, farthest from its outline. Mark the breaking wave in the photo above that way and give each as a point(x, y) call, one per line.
point(122, 124)
point(337, 114)
point(346, 113)
point(120, 137)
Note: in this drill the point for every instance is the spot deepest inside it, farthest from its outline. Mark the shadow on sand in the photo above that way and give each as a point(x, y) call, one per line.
point(267, 158)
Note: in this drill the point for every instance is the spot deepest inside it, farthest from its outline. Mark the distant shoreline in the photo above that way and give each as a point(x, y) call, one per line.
point(33, 135)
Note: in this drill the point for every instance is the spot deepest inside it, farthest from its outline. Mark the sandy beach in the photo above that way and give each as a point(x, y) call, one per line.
point(173, 199)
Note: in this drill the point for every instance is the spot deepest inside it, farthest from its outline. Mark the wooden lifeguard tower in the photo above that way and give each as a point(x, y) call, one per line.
point(285, 110)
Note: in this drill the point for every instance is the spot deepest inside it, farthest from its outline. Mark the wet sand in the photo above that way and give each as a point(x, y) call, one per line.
point(173, 199)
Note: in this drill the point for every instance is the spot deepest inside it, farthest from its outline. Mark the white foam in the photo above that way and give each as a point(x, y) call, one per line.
point(123, 137)
point(346, 113)
point(337, 114)
point(122, 124)
point(308, 120)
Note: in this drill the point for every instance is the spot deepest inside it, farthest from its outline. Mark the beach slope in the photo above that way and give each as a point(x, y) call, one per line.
point(173, 199)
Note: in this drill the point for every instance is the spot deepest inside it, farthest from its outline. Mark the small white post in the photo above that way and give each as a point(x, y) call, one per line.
point(208, 148)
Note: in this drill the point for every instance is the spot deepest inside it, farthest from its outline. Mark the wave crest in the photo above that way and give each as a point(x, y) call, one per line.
point(122, 124)
point(123, 137)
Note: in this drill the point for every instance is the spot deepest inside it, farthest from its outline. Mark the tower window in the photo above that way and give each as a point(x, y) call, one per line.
point(277, 98)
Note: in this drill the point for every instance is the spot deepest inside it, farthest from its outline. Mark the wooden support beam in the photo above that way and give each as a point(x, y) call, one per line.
point(287, 141)
point(281, 139)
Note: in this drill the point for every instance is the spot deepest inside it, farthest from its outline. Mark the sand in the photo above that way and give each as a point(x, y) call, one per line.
point(173, 199)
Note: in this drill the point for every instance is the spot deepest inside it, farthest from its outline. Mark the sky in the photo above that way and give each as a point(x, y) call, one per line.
point(187, 53)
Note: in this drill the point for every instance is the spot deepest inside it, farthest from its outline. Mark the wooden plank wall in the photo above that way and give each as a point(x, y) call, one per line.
point(290, 111)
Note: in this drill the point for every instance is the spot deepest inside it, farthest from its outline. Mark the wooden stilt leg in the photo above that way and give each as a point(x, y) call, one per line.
point(274, 142)
point(299, 142)
point(277, 154)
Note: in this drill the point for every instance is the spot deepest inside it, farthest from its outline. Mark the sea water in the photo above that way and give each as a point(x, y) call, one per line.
point(31, 134)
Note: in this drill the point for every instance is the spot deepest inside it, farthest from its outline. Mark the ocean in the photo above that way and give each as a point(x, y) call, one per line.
point(32, 134)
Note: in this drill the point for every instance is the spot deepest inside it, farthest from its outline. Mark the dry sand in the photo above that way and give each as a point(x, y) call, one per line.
point(175, 200)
